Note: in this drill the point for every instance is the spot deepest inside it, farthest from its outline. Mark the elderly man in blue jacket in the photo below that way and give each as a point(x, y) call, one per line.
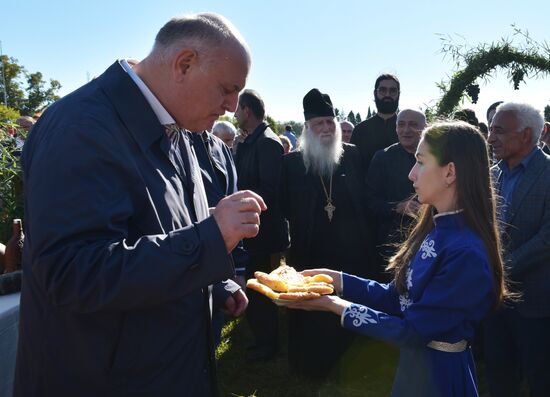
point(121, 247)
point(516, 337)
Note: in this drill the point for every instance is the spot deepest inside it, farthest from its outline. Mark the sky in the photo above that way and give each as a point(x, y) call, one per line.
point(339, 47)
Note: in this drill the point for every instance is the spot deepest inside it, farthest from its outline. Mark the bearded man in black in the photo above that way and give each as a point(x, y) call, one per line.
point(378, 132)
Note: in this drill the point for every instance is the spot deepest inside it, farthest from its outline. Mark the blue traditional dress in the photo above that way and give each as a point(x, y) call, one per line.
point(450, 288)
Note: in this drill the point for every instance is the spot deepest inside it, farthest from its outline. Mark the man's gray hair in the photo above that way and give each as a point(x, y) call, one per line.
point(223, 126)
point(528, 117)
point(202, 32)
point(417, 112)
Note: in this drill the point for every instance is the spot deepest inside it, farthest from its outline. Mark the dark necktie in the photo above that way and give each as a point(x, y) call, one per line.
point(180, 138)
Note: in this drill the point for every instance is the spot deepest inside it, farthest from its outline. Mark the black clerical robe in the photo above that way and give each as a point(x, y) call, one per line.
point(341, 244)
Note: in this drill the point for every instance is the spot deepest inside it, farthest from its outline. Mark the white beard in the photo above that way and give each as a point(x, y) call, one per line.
point(321, 156)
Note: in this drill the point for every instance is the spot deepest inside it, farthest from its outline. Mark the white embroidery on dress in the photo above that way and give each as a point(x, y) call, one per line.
point(409, 278)
point(405, 302)
point(428, 249)
point(360, 314)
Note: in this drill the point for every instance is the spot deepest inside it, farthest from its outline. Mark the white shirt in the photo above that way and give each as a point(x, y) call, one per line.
point(199, 193)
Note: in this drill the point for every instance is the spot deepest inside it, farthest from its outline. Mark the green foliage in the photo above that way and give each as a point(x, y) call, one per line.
point(276, 127)
point(38, 94)
point(547, 113)
point(7, 114)
point(12, 71)
point(340, 114)
point(528, 59)
point(26, 92)
point(430, 114)
point(358, 118)
point(296, 126)
point(11, 189)
point(369, 114)
point(351, 118)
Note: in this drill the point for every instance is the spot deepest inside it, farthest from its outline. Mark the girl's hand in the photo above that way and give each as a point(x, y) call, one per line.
point(326, 303)
point(336, 277)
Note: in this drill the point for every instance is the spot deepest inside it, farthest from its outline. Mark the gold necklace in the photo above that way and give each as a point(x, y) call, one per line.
point(329, 208)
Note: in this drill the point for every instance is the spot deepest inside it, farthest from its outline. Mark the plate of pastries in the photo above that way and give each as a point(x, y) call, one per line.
point(285, 285)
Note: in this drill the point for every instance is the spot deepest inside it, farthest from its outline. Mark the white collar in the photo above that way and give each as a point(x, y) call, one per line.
point(161, 113)
point(447, 213)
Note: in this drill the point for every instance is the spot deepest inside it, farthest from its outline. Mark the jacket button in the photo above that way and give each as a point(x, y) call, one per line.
point(188, 246)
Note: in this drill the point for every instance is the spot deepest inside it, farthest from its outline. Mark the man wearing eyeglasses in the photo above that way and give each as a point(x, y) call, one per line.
point(378, 132)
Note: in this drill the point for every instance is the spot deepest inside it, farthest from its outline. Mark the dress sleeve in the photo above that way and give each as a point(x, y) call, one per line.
point(460, 291)
point(371, 293)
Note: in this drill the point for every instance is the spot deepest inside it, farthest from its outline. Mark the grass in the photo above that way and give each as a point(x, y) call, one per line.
point(369, 369)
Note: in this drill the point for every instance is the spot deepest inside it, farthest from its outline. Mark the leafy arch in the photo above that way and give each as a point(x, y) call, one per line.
point(529, 60)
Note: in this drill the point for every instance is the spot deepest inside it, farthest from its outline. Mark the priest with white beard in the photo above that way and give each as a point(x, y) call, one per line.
point(323, 198)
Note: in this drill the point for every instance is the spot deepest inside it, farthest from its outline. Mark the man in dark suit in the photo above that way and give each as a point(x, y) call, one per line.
point(323, 198)
point(516, 336)
point(259, 159)
point(120, 247)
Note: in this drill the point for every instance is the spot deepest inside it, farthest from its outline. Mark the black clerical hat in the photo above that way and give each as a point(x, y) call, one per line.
point(317, 105)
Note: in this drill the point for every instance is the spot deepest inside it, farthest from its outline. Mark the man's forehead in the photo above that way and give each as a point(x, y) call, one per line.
point(387, 83)
point(236, 64)
point(408, 116)
point(321, 119)
point(504, 117)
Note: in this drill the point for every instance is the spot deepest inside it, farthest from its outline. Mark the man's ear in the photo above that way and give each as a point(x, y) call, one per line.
point(528, 136)
point(183, 62)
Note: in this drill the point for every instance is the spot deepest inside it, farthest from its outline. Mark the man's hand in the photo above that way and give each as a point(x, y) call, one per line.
point(236, 304)
point(408, 207)
point(241, 281)
point(238, 217)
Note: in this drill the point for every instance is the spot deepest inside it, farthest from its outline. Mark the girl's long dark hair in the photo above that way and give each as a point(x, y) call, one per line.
point(463, 145)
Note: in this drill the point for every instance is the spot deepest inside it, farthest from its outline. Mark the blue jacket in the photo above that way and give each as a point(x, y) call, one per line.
point(115, 295)
point(526, 236)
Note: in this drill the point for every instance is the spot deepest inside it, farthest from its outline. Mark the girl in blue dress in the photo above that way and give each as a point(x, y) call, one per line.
point(448, 274)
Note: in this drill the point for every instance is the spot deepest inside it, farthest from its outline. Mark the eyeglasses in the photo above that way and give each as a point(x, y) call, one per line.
point(393, 91)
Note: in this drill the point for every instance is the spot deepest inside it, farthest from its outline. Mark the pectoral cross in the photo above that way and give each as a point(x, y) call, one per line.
point(329, 208)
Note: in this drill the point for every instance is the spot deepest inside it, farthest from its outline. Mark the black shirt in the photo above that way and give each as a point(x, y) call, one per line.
point(388, 184)
point(372, 135)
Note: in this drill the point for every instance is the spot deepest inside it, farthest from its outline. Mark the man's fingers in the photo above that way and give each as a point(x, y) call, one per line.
point(249, 230)
point(247, 194)
point(240, 303)
point(230, 305)
point(246, 204)
point(250, 218)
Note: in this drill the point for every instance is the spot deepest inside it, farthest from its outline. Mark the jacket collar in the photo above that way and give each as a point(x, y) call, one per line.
point(256, 133)
point(532, 172)
point(134, 110)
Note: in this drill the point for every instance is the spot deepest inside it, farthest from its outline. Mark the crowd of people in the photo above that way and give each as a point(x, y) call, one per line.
point(144, 216)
